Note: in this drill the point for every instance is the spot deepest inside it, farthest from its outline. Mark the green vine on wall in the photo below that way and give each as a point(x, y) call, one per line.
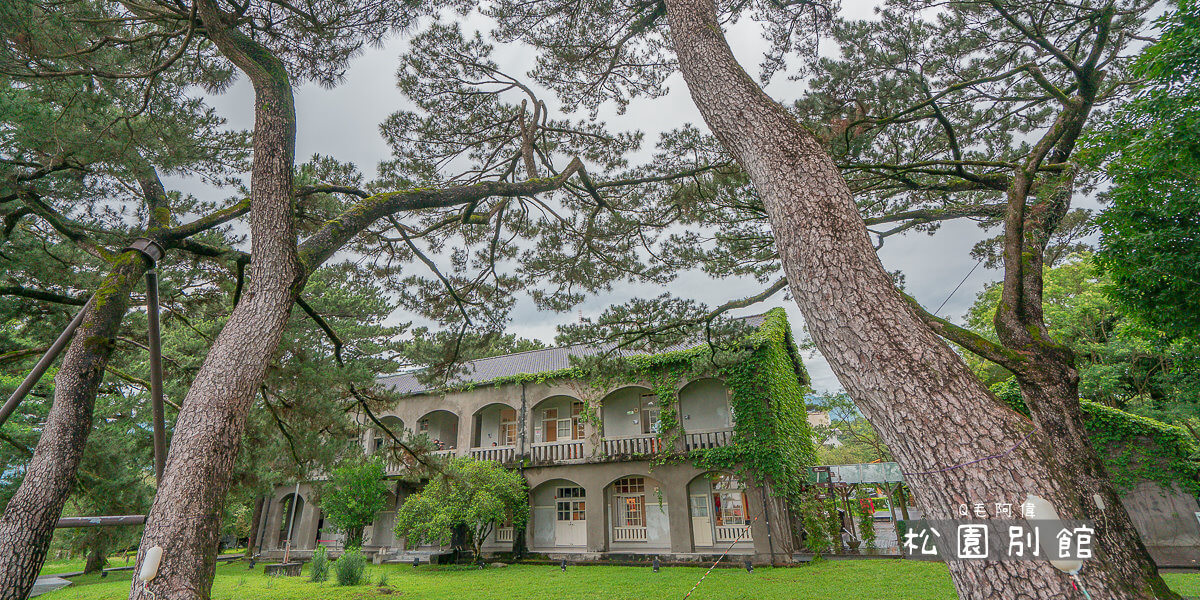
point(772, 440)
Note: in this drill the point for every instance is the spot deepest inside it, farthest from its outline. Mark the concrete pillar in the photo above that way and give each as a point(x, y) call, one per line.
point(678, 515)
point(274, 522)
point(591, 433)
point(597, 523)
point(306, 522)
point(466, 428)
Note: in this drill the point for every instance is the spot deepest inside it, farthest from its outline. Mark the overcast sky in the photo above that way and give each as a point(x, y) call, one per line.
point(344, 123)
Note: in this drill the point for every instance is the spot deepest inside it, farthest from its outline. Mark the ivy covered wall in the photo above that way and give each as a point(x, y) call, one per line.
point(1133, 448)
point(772, 440)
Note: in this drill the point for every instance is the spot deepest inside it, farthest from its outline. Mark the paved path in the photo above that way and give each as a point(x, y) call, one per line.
point(48, 583)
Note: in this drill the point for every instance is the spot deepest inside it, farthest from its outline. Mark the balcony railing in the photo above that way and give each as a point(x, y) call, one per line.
point(504, 535)
point(558, 451)
point(629, 534)
point(733, 533)
point(632, 445)
point(713, 438)
point(500, 454)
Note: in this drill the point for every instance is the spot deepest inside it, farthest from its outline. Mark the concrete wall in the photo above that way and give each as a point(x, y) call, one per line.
point(1167, 522)
point(704, 406)
point(621, 412)
point(444, 426)
point(489, 426)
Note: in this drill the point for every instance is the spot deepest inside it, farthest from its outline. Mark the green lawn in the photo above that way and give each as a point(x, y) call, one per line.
point(831, 580)
point(75, 565)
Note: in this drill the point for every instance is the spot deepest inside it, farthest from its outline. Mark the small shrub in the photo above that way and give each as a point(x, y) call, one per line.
point(320, 565)
point(349, 568)
point(383, 582)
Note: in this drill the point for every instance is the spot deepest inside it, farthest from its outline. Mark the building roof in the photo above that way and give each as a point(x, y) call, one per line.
point(531, 361)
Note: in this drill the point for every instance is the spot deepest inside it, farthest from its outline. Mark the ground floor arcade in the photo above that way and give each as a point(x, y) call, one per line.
point(582, 511)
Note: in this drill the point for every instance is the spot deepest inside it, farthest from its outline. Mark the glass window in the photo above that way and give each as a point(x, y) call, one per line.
point(576, 421)
point(649, 414)
point(632, 511)
point(729, 500)
point(508, 427)
point(569, 492)
point(569, 505)
point(550, 425)
point(630, 485)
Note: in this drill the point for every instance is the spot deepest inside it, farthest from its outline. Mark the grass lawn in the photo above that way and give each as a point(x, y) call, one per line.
point(830, 580)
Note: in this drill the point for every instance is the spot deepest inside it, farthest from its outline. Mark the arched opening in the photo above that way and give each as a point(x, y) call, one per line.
point(557, 419)
point(705, 414)
point(441, 427)
point(638, 514)
point(495, 426)
point(559, 519)
point(629, 419)
point(382, 439)
point(719, 508)
point(381, 528)
point(289, 518)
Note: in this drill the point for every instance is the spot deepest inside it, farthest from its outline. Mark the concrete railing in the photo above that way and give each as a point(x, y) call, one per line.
point(733, 533)
point(553, 452)
point(714, 438)
point(504, 535)
point(631, 445)
point(500, 454)
point(629, 534)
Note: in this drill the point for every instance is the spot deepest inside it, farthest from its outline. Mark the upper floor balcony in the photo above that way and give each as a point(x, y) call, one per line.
point(554, 425)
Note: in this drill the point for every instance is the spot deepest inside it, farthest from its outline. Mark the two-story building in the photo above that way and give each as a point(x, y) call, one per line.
point(612, 468)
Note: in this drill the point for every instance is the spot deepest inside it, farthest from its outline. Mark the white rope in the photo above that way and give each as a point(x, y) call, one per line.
point(731, 545)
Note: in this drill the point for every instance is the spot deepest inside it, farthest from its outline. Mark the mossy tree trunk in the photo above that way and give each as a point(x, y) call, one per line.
point(29, 519)
point(935, 415)
point(185, 517)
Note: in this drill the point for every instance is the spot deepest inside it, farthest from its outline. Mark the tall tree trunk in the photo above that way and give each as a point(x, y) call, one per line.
point(31, 514)
point(185, 517)
point(255, 525)
point(97, 558)
point(931, 410)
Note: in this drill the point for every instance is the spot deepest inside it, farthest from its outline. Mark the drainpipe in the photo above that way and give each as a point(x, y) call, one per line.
point(767, 520)
point(519, 536)
point(522, 425)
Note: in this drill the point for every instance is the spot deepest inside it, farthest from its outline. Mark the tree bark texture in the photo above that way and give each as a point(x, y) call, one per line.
point(29, 519)
point(185, 517)
point(932, 411)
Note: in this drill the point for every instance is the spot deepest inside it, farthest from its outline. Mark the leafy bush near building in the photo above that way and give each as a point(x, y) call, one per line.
point(354, 493)
point(319, 570)
point(349, 568)
point(472, 494)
